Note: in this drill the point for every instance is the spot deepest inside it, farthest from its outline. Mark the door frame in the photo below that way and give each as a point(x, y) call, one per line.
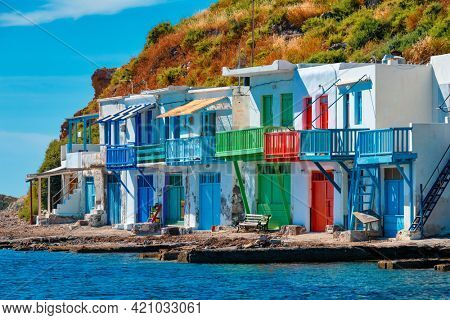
point(328, 186)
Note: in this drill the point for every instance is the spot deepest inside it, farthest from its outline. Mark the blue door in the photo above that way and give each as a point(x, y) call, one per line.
point(209, 201)
point(113, 201)
point(173, 200)
point(145, 197)
point(89, 194)
point(394, 215)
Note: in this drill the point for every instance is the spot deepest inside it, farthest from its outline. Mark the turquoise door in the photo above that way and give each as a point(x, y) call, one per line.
point(173, 200)
point(145, 197)
point(89, 194)
point(209, 200)
point(394, 215)
point(113, 201)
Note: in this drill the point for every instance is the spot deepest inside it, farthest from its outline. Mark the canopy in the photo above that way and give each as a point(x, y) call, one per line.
point(192, 107)
point(126, 113)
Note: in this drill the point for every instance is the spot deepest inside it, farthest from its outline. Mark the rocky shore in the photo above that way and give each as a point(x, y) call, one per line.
point(225, 246)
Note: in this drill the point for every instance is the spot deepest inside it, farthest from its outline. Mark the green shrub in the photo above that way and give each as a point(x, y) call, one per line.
point(169, 75)
point(192, 37)
point(362, 31)
point(328, 57)
point(159, 30)
point(344, 8)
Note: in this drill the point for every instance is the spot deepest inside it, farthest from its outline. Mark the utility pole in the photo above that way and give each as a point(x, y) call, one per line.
point(253, 32)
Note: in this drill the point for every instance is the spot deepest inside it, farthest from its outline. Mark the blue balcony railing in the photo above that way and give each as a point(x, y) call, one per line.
point(385, 145)
point(328, 144)
point(197, 150)
point(120, 157)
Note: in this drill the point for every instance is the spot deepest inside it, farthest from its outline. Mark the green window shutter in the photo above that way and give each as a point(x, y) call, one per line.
point(267, 114)
point(287, 114)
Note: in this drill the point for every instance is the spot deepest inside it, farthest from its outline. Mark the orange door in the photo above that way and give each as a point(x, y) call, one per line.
point(322, 202)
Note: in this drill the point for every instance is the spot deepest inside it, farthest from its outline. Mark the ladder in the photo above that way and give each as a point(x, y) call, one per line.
point(433, 196)
point(363, 186)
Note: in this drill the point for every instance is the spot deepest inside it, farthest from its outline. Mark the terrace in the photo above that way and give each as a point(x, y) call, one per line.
point(188, 151)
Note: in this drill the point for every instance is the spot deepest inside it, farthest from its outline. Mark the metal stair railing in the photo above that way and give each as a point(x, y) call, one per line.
point(425, 210)
point(67, 191)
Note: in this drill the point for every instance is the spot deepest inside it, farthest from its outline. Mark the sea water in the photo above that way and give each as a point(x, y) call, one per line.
point(60, 275)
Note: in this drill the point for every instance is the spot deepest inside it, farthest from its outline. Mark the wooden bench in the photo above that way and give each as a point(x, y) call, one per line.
point(257, 221)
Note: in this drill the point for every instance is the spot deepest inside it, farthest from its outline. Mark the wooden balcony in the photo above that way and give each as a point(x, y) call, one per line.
point(189, 151)
point(283, 146)
point(328, 144)
point(120, 157)
point(385, 146)
point(148, 154)
point(244, 144)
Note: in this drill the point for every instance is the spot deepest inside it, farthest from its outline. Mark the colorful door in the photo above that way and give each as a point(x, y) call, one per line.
point(145, 197)
point(322, 112)
point(322, 202)
point(287, 113)
point(274, 194)
point(393, 218)
point(89, 194)
point(113, 201)
point(173, 200)
point(307, 114)
point(267, 112)
point(209, 200)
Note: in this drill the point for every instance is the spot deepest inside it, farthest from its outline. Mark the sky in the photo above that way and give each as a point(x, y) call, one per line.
point(48, 52)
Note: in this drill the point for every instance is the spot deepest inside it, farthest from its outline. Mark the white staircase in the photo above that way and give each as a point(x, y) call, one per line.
point(71, 206)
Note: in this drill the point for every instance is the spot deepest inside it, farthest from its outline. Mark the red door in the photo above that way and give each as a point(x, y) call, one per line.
point(321, 202)
point(307, 113)
point(322, 112)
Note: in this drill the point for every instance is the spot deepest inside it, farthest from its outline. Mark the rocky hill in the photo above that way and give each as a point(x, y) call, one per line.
point(6, 201)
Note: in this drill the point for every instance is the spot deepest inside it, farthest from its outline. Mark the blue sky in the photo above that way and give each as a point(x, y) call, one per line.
point(44, 80)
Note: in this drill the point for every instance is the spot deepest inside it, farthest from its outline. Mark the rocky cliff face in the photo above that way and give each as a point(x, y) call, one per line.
point(5, 201)
point(101, 79)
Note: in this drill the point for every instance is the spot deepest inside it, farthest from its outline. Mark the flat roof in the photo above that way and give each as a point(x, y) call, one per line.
point(278, 66)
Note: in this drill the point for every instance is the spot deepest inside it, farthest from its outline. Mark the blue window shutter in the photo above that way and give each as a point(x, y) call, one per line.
point(358, 107)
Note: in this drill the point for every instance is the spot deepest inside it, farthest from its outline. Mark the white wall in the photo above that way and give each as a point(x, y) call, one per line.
point(441, 85)
point(430, 142)
point(403, 95)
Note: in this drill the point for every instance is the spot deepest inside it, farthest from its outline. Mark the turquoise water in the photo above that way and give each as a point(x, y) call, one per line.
point(58, 275)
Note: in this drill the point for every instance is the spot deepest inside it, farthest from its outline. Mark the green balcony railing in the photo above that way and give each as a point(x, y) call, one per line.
point(242, 143)
point(151, 153)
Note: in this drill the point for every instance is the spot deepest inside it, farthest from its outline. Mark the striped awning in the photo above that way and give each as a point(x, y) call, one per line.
point(193, 106)
point(127, 113)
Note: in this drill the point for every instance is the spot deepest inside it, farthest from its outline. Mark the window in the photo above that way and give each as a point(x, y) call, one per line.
point(322, 112)
point(107, 131)
point(307, 114)
point(267, 114)
point(176, 127)
point(358, 107)
point(287, 116)
point(345, 111)
point(117, 132)
point(208, 124)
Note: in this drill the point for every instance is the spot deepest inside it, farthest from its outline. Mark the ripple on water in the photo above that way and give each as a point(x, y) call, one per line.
point(59, 275)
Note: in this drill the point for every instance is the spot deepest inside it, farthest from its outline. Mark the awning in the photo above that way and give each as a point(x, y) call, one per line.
point(127, 113)
point(352, 85)
point(193, 106)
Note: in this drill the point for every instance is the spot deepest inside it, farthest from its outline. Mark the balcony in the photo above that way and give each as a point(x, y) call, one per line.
point(385, 146)
point(151, 153)
point(120, 157)
point(244, 144)
point(328, 144)
point(189, 151)
point(282, 146)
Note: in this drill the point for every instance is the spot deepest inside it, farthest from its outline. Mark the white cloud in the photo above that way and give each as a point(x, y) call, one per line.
point(60, 9)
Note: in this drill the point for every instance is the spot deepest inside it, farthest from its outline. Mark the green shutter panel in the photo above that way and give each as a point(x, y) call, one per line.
point(287, 114)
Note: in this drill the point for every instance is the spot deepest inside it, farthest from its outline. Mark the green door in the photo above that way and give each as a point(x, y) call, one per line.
point(274, 194)
point(173, 200)
point(287, 114)
point(267, 113)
